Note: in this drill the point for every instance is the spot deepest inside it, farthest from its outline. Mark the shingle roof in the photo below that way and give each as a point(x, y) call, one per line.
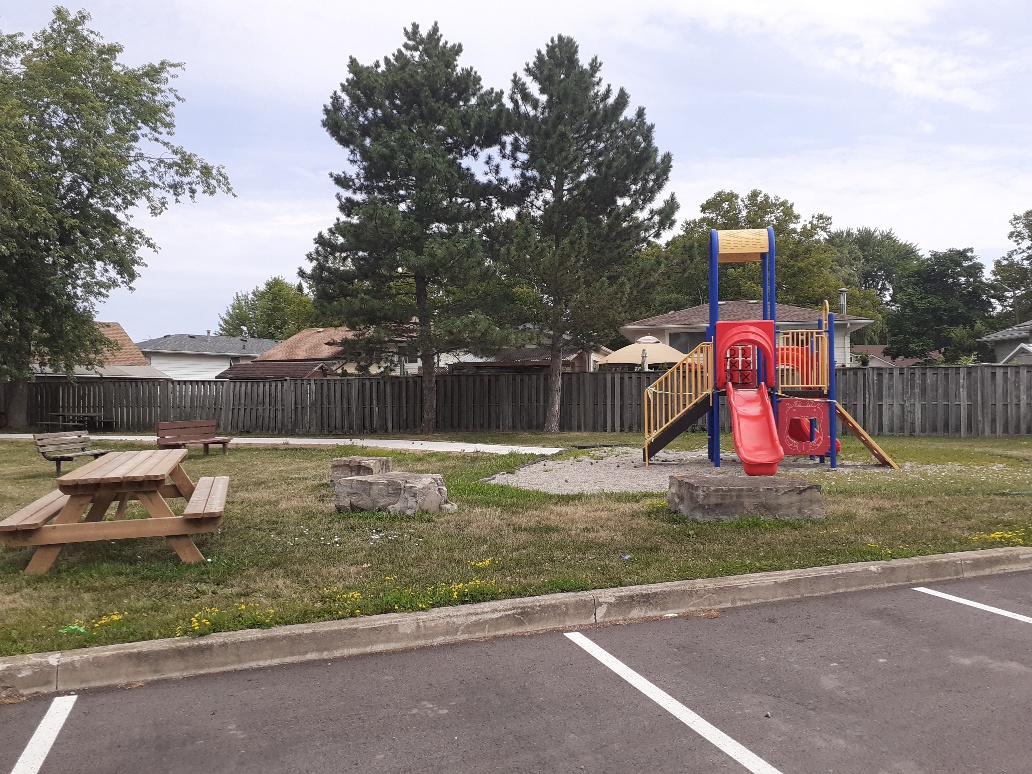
point(733, 311)
point(309, 344)
point(127, 354)
point(274, 369)
point(877, 353)
point(207, 345)
point(1020, 331)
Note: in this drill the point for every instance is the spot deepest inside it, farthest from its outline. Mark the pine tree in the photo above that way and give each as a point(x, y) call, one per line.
point(405, 264)
point(588, 176)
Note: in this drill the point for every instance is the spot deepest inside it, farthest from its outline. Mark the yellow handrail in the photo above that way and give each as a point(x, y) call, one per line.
point(680, 388)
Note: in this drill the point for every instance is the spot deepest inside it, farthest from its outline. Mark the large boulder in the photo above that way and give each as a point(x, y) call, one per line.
point(346, 467)
point(397, 492)
point(725, 498)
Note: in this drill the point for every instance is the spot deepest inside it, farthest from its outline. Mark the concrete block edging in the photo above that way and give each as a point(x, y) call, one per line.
point(22, 676)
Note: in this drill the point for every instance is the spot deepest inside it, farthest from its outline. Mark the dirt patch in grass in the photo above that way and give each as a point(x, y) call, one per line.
point(622, 469)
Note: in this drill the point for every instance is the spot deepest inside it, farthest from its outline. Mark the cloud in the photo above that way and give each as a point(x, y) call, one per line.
point(910, 48)
point(209, 252)
point(934, 194)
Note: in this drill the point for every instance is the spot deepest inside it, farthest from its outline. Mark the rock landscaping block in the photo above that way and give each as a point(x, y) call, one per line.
point(345, 467)
point(397, 492)
point(726, 498)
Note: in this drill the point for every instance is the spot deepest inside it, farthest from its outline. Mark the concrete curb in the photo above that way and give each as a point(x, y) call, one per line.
point(159, 659)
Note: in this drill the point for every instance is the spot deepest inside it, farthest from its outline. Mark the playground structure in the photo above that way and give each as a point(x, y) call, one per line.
point(779, 385)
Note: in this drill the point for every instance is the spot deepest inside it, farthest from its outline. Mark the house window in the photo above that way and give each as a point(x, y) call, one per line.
point(684, 341)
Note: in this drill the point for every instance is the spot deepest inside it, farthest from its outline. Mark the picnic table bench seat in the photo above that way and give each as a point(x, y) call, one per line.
point(209, 498)
point(35, 514)
point(65, 446)
point(176, 435)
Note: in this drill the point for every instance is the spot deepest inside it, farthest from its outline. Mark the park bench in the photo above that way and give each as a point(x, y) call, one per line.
point(65, 446)
point(176, 435)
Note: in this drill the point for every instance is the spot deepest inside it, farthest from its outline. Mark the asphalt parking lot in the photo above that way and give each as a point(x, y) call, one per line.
point(899, 681)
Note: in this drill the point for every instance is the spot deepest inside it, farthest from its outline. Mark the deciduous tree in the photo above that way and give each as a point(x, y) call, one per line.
point(275, 310)
point(1012, 273)
point(872, 263)
point(84, 142)
point(804, 274)
point(942, 306)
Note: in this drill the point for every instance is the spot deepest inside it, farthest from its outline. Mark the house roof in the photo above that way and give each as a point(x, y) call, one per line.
point(196, 344)
point(878, 358)
point(275, 369)
point(1022, 354)
point(127, 353)
point(126, 361)
point(1020, 331)
point(527, 354)
point(309, 344)
point(734, 311)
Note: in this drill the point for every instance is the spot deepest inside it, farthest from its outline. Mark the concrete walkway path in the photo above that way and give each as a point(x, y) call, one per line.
point(385, 443)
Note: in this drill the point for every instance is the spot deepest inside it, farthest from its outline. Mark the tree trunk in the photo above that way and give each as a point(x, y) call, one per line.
point(18, 405)
point(429, 424)
point(555, 384)
point(427, 357)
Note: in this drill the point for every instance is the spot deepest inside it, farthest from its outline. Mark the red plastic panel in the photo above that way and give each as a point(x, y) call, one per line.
point(759, 333)
point(794, 415)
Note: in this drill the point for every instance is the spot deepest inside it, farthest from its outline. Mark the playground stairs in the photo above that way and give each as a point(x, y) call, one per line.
point(680, 424)
point(678, 399)
point(854, 427)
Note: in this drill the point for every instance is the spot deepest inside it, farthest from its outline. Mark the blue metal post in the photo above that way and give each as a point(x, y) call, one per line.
point(771, 286)
point(770, 309)
point(764, 284)
point(832, 418)
point(714, 315)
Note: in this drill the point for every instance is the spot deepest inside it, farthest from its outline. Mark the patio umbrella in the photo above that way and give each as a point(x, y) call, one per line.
point(647, 349)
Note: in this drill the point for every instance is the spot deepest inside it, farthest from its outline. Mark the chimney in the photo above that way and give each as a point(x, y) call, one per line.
point(842, 300)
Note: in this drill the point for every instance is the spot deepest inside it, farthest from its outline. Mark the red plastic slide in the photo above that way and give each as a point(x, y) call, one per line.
point(754, 429)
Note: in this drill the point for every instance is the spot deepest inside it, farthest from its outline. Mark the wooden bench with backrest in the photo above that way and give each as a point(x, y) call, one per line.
point(176, 435)
point(65, 446)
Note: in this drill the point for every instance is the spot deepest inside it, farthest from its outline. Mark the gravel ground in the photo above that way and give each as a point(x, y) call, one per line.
point(621, 469)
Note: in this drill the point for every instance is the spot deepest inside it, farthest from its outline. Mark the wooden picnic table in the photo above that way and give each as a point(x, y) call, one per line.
point(93, 420)
point(152, 477)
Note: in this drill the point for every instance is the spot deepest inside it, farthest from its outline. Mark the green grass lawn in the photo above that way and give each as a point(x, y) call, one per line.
point(284, 555)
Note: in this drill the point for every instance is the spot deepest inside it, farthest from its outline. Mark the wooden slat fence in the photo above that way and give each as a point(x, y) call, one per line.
point(945, 400)
point(964, 401)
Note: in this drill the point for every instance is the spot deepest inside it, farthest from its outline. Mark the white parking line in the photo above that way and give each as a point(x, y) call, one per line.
point(39, 746)
point(979, 605)
point(706, 730)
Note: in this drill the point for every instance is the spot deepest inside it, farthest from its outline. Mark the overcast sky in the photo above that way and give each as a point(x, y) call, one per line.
point(912, 115)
